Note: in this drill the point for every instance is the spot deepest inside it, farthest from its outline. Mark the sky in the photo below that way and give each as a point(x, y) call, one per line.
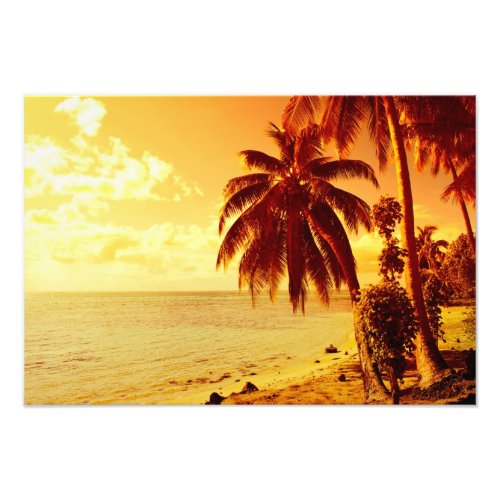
point(123, 193)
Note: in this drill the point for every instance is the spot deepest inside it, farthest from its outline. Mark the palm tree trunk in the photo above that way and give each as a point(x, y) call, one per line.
point(374, 388)
point(430, 364)
point(463, 206)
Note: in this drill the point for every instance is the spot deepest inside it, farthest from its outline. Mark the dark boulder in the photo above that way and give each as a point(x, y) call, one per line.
point(342, 377)
point(215, 399)
point(249, 387)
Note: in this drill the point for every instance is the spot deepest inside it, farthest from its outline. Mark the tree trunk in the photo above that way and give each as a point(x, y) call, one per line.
point(393, 379)
point(430, 364)
point(374, 388)
point(463, 206)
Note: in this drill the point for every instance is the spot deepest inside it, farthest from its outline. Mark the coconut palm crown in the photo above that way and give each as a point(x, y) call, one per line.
point(288, 216)
point(443, 131)
point(430, 255)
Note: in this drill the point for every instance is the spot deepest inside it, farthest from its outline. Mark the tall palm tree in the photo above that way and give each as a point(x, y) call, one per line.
point(430, 255)
point(287, 221)
point(443, 130)
point(341, 119)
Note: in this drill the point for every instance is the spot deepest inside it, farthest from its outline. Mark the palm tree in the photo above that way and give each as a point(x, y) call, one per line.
point(430, 255)
point(287, 222)
point(341, 119)
point(443, 130)
point(463, 188)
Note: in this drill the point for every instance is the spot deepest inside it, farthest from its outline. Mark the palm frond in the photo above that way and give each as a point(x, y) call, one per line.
point(342, 169)
point(464, 185)
point(242, 199)
point(354, 210)
point(248, 224)
point(308, 145)
point(262, 161)
point(300, 112)
point(284, 141)
point(277, 259)
point(342, 119)
point(379, 129)
point(316, 268)
point(330, 259)
point(238, 183)
point(329, 227)
point(295, 258)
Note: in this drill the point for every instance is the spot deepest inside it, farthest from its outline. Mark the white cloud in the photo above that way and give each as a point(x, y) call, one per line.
point(86, 113)
point(66, 235)
point(109, 173)
point(90, 178)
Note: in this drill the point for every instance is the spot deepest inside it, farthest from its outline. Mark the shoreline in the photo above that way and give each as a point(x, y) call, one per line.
point(270, 379)
point(310, 380)
point(322, 385)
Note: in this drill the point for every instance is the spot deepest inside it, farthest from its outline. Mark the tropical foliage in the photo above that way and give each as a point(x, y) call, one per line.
point(459, 269)
point(387, 318)
point(430, 251)
point(341, 119)
point(386, 215)
point(443, 132)
point(385, 313)
point(435, 295)
point(288, 214)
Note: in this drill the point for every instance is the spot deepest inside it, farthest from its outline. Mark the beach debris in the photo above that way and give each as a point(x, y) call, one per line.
point(342, 377)
point(215, 399)
point(253, 373)
point(458, 340)
point(221, 378)
point(346, 353)
point(249, 387)
point(317, 361)
point(331, 348)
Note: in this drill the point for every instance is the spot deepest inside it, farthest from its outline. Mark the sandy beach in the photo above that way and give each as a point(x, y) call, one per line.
point(318, 381)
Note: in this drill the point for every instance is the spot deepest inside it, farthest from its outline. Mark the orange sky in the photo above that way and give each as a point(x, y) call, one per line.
point(122, 193)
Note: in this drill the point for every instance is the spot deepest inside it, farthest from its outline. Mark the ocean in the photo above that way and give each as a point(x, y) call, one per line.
point(166, 348)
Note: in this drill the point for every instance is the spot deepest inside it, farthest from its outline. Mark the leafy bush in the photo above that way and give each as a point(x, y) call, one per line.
point(459, 269)
point(387, 318)
point(434, 296)
point(386, 214)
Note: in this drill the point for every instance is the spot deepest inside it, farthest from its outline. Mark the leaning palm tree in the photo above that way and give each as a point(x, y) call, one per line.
point(463, 186)
point(341, 119)
point(443, 131)
point(288, 222)
point(430, 255)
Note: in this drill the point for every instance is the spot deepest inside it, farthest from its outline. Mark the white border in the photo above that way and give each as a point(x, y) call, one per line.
point(223, 47)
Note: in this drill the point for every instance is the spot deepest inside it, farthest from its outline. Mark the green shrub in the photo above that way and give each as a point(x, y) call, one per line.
point(434, 297)
point(387, 319)
point(459, 269)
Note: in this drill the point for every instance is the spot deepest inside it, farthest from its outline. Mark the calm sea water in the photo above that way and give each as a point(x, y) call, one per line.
point(158, 347)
